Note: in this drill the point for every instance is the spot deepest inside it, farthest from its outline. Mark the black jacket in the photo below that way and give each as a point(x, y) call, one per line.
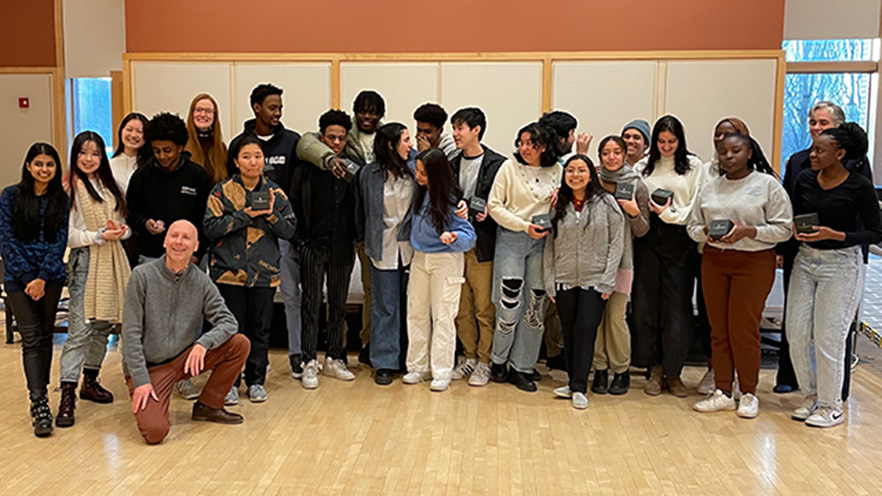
point(485, 247)
point(325, 211)
point(158, 194)
point(280, 152)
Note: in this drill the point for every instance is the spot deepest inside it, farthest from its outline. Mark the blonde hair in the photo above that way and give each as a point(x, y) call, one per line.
point(215, 163)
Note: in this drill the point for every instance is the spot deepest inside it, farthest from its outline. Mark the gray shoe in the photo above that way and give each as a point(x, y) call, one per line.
point(256, 393)
point(187, 389)
point(232, 398)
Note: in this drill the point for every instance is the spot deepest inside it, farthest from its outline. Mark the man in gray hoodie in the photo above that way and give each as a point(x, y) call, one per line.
point(165, 303)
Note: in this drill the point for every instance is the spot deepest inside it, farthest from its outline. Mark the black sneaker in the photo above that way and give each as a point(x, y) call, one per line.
point(535, 376)
point(601, 382)
point(383, 377)
point(620, 384)
point(556, 362)
point(364, 356)
point(296, 366)
point(498, 372)
point(522, 381)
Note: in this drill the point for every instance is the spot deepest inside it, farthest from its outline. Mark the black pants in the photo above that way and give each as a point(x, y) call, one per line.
point(253, 309)
point(786, 375)
point(704, 327)
point(664, 273)
point(36, 322)
point(581, 311)
point(315, 263)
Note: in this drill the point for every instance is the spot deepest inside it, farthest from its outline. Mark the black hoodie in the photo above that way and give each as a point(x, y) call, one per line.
point(158, 194)
point(280, 153)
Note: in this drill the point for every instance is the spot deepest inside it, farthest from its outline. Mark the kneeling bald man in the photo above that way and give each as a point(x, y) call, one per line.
point(165, 303)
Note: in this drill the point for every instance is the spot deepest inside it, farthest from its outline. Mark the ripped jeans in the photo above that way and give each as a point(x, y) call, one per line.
point(519, 296)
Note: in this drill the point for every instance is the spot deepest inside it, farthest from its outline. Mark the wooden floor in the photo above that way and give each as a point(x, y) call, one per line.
point(360, 439)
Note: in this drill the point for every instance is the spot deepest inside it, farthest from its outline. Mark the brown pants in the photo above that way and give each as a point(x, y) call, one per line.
point(612, 349)
point(225, 361)
point(476, 301)
point(736, 284)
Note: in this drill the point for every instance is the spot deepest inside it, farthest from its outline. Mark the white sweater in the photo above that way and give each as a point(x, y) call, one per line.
point(78, 236)
point(123, 166)
point(519, 193)
point(684, 187)
point(757, 200)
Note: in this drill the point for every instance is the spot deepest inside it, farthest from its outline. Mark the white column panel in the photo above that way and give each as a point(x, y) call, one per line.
point(509, 93)
point(171, 86)
point(94, 37)
point(19, 128)
point(826, 20)
point(701, 93)
point(404, 85)
point(307, 93)
point(604, 96)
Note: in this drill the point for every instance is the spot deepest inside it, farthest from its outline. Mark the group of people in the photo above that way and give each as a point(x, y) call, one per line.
point(454, 240)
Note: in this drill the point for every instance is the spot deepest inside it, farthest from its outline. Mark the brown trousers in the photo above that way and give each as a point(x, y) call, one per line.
point(736, 284)
point(475, 301)
point(226, 362)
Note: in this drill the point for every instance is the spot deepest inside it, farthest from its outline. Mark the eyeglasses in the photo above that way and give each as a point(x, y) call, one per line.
point(527, 143)
point(199, 110)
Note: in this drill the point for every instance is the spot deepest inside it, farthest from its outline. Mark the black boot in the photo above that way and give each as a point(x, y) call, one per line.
point(67, 405)
point(521, 381)
point(92, 390)
point(620, 384)
point(601, 382)
point(41, 416)
point(498, 372)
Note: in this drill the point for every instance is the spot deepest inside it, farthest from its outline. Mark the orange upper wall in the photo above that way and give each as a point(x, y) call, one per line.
point(27, 33)
point(451, 25)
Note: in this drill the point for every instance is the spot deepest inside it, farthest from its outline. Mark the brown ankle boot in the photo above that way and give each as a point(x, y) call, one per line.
point(66, 406)
point(92, 390)
point(654, 386)
point(676, 387)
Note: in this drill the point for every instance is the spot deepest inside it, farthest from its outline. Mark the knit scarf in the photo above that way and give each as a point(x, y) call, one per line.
point(109, 269)
point(625, 174)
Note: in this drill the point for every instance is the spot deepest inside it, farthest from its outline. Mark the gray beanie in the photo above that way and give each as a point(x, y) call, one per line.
point(641, 126)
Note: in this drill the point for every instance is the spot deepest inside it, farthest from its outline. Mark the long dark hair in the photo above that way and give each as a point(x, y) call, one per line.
point(672, 125)
point(104, 173)
point(540, 134)
point(26, 221)
point(386, 150)
point(757, 160)
point(565, 195)
point(121, 147)
point(444, 193)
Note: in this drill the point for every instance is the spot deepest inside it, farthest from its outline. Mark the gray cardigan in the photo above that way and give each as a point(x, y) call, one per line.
point(586, 251)
point(163, 314)
point(369, 210)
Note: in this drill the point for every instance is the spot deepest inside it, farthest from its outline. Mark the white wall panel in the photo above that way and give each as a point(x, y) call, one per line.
point(307, 93)
point(19, 128)
point(404, 85)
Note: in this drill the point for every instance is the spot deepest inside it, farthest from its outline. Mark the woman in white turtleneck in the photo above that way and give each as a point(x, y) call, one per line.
point(664, 260)
point(130, 139)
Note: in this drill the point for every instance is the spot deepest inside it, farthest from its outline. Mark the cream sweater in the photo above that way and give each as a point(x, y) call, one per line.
point(520, 191)
point(685, 187)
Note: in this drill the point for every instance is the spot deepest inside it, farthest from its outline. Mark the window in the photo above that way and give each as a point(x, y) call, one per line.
point(841, 71)
point(92, 110)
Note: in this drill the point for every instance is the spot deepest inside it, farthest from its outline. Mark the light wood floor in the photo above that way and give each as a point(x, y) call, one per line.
point(357, 438)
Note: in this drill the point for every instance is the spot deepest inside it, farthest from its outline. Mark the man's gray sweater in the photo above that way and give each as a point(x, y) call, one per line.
point(163, 313)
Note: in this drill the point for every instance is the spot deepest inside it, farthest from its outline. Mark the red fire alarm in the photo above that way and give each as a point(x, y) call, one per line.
point(24, 102)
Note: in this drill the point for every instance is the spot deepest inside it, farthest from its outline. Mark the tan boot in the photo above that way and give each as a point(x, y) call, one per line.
point(675, 385)
point(654, 386)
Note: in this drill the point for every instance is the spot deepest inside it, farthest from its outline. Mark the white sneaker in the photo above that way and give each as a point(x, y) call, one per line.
point(336, 368)
point(415, 377)
point(808, 407)
point(707, 384)
point(232, 398)
point(310, 374)
point(826, 416)
point(464, 369)
point(563, 392)
point(748, 407)
point(580, 401)
point(439, 385)
point(715, 403)
point(187, 389)
point(481, 376)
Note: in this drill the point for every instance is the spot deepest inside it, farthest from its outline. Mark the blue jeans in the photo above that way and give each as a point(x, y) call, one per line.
point(86, 342)
point(517, 266)
point(822, 302)
point(388, 297)
point(290, 287)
